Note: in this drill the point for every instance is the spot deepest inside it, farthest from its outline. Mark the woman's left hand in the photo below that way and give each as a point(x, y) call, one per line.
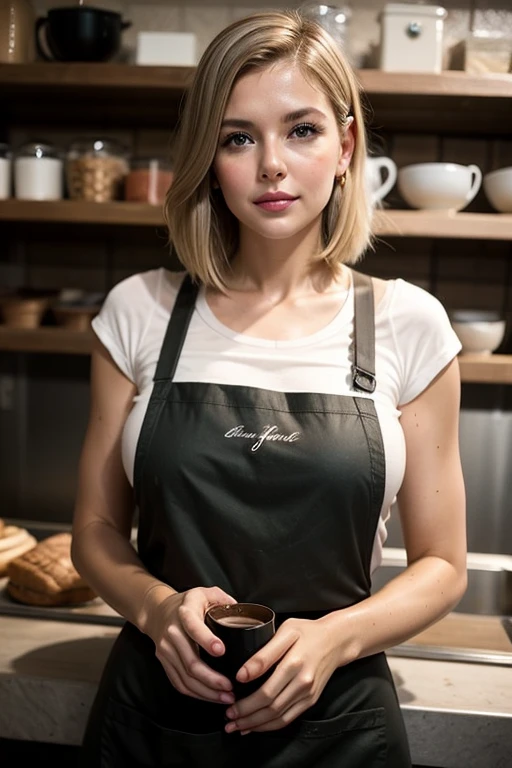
point(306, 653)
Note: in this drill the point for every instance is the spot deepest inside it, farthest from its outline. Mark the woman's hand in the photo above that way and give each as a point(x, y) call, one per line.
point(176, 626)
point(307, 653)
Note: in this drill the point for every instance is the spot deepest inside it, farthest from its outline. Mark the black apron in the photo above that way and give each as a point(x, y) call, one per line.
point(274, 497)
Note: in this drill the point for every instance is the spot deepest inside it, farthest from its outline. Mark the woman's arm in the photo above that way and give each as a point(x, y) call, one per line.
point(432, 509)
point(102, 552)
point(104, 507)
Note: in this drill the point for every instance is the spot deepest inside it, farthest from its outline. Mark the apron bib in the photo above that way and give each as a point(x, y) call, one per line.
point(274, 497)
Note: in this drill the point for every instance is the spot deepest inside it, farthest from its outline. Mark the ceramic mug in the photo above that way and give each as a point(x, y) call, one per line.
point(381, 175)
point(439, 186)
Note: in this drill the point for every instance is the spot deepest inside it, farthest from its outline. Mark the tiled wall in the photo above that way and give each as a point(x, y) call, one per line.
point(207, 17)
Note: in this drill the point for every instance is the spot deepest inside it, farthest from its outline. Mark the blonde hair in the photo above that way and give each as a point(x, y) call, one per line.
point(203, 232)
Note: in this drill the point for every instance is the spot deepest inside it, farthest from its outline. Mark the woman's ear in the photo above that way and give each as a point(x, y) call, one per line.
point(348, 144)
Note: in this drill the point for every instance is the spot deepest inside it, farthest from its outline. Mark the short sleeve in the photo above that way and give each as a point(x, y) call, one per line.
point(123, 318)
point(424, 338)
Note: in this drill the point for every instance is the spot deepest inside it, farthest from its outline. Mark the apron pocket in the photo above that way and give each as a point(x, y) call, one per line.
point(351, 740)
point(131, 740)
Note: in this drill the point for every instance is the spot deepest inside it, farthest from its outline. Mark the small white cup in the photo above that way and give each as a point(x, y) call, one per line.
point(381, 175)
point(439, 186)
point(498, 189)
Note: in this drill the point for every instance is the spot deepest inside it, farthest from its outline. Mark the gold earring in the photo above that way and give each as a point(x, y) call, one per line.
point(343, 179)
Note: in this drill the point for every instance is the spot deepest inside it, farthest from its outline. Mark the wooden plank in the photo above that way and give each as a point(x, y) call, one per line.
point(448, 83)
point(81, 212)
point(53, 340)
point(486, 369)
point(461, 630)
point(105, 76)
point(443, 224)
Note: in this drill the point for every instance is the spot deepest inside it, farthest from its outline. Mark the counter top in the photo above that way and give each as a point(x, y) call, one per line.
point(458, 715)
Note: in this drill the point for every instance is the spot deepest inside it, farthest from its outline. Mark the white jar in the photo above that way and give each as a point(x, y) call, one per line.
point(38, 173)
point(5, 172)
point(412, 38)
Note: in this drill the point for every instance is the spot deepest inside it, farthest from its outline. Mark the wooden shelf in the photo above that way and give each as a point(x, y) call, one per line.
point(443, 224)
point(489, 369)
point(451, 101)
point(80, 212)
point(51, 339)
point(486, 369)
point(388, 223)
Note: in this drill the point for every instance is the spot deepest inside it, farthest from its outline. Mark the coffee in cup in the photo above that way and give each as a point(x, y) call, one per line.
point(244, 628)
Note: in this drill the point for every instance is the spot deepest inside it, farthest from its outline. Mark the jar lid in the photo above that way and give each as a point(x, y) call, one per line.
point(150, 163)
point(408, 9)
point(38, 150)
point(98, 148)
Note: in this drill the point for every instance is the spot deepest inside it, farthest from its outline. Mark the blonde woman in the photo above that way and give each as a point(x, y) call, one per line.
point(200, 380)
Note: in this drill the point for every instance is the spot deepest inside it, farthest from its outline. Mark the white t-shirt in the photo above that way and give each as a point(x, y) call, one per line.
point(414, 341)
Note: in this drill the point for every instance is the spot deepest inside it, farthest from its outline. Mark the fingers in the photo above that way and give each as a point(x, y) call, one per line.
point(191, 614)
point(269, 655)
point(189, 674)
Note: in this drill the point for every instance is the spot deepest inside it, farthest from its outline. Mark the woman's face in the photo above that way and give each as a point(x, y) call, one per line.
point(279, 152)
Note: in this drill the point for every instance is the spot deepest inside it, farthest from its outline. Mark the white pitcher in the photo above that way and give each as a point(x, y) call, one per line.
point(381, 175)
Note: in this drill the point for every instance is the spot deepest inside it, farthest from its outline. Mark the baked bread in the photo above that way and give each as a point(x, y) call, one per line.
point(14, 541)
point(45, 575)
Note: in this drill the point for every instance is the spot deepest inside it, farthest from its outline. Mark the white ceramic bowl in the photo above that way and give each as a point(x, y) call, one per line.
point(479, 332)
point(439, 186)
point(498, 189)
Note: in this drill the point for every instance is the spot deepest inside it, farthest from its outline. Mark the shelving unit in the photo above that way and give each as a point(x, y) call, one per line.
point(451, 101)
point(389, 223)
point(118, 94)
point(490, 369)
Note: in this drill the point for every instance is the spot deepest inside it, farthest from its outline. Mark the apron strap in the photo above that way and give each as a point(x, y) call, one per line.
point(176, 330)
point(363, 368)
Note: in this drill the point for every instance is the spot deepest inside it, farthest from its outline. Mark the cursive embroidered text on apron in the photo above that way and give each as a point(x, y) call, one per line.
point(270, 432)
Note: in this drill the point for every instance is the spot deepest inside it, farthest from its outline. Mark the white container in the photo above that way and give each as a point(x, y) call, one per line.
point(381, 174)
point(498, 189)
point(5, 172)
point(171, 49)
point(412, 38)
point(38, 173)
point(439, 186)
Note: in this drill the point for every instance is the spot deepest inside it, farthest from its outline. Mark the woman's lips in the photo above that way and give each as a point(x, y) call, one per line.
point(276, 205)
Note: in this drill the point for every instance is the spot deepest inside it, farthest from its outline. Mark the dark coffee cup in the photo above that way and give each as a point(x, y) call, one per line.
point(244, 628)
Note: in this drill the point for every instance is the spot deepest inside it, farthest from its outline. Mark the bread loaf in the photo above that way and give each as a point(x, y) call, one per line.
point(14, 541)
point(45, 575)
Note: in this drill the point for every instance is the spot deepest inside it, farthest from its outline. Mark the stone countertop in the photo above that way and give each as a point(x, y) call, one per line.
point(458, 715)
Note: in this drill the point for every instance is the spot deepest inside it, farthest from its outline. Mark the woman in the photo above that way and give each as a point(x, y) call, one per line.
point(261, 410)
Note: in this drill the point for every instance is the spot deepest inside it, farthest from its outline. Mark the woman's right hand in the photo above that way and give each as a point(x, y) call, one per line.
point(176, 626)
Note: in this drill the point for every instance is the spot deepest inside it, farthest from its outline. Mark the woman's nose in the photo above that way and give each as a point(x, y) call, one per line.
point(272, 165)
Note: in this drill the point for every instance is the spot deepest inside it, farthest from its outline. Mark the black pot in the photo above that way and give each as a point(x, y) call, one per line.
point(80, 34)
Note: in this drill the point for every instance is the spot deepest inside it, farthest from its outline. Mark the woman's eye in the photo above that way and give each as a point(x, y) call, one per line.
point(236, 140)
point(304, 130)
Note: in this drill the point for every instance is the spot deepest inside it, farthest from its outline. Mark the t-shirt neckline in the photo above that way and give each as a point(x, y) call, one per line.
point(342, 318)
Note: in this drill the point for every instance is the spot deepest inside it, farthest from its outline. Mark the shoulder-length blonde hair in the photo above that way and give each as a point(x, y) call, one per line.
point(203, 233)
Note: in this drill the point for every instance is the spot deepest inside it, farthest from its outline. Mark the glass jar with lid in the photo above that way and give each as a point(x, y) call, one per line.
point(38, 172)
point(335, 19)
point(96, 170)
point(5, 171)
point(148, 180)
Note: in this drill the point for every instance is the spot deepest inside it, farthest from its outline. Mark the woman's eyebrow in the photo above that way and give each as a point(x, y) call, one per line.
point(298, 114)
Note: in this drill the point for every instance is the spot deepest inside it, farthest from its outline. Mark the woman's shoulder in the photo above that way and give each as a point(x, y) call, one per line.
point(143, 290)
point(403, 302)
